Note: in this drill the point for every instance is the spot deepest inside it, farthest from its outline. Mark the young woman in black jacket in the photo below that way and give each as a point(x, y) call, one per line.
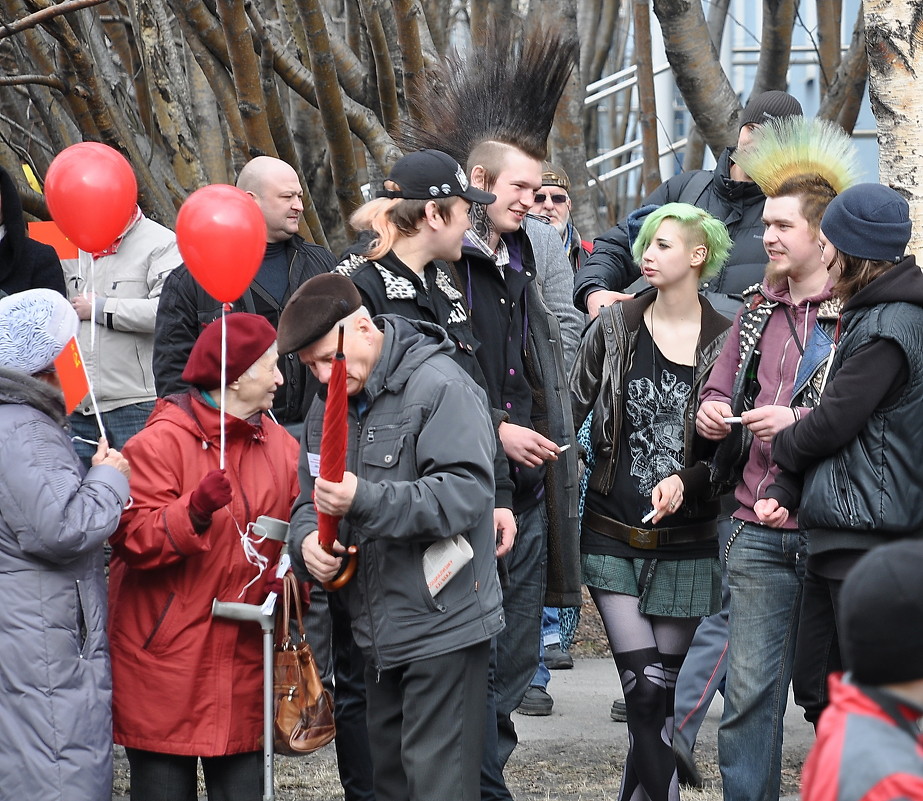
point(649, 534)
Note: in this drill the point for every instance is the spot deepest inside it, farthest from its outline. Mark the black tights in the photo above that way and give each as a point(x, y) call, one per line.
point(648, 652)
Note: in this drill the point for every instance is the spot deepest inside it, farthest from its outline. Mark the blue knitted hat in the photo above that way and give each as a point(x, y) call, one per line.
point(868, 221)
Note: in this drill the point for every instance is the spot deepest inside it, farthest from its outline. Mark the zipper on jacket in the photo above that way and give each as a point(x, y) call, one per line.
point(160, 619)
point(370, 435)
point(82, 630)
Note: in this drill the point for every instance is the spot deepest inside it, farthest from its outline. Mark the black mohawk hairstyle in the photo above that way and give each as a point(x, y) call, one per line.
point(507, 92)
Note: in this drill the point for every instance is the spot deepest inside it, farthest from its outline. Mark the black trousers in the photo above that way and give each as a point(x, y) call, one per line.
point(817, 649)
point(354, 758)
point(168, 777)
point(426, 726)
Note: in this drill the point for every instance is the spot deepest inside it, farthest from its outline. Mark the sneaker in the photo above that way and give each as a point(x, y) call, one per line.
point(686, 770)
point(619, 713)
point(536, 702)
point(556, 658)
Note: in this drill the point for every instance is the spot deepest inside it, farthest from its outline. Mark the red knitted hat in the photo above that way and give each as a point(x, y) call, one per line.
point(249, 337)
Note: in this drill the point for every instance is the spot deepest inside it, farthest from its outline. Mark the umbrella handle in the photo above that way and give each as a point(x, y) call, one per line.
point(349, 568)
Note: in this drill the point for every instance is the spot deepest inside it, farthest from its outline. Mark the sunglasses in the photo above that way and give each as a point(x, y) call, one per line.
point(558, 200)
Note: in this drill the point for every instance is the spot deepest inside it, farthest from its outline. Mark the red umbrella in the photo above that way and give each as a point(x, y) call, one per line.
point(333, 446)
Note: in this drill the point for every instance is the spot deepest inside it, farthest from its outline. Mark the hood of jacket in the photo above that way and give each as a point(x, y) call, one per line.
point(12, 218)
point(902, 283)
point(407, 344)
point(779, 292)
point(17, 387)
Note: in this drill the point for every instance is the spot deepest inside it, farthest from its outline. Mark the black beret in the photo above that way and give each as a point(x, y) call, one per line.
point(315, 308)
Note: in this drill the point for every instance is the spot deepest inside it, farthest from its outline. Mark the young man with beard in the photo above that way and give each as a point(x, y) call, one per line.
point(770, 373)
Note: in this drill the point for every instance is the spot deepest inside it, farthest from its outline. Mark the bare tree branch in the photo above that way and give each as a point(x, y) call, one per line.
point(44, 80)
point(708, 94)
point(844, 94)
point(46, 14)
point(776, 46)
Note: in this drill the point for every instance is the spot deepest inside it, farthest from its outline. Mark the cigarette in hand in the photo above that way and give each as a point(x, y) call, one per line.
point(649, 516)
point(561, 449)
point(732, 419)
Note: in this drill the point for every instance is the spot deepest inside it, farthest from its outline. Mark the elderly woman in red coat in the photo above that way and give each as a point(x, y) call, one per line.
point(187, 686)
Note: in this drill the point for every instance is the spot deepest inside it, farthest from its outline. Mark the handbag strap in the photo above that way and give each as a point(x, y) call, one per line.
point(291, 596)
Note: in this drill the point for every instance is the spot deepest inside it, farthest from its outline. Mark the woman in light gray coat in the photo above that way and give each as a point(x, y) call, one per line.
point(55, 683)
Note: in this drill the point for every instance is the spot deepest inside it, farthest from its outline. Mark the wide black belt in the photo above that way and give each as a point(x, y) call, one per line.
point(649, 538)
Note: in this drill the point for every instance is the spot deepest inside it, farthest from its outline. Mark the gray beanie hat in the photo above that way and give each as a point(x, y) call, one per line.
point(771, 105)
point(882, 603)
point(35, 325)
point(868, 221)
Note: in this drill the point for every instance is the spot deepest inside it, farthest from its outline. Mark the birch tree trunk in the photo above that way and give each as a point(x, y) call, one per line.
point(894, 32)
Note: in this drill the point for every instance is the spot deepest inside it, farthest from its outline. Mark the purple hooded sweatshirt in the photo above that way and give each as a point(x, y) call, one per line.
point(776, 375)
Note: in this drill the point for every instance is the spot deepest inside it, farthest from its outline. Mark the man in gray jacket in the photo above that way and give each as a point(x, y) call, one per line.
point(419, 475)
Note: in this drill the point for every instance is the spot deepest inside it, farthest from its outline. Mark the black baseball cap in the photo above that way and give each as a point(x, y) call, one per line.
point(431, 174)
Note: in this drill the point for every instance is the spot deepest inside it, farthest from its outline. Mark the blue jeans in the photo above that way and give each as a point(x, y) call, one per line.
point(121, 424)
point(518, 643)
point(551, 635)
point(765, 570)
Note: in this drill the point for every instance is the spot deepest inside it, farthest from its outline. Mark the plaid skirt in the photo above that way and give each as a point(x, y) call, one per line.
point(663, 587)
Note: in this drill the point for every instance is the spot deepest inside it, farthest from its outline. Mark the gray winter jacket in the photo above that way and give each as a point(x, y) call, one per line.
point(423, 452)
point(55, 683)
point(554, 279)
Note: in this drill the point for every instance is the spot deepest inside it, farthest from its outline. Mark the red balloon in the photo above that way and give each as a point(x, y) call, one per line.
point(91, 192)
point(221, 235)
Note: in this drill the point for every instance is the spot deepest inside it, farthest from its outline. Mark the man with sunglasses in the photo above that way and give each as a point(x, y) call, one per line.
point(552, 202)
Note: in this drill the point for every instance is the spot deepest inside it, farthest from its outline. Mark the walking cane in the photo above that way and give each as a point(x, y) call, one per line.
point(275, 530)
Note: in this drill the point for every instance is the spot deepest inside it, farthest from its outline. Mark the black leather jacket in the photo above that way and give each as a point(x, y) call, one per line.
point(597, 380)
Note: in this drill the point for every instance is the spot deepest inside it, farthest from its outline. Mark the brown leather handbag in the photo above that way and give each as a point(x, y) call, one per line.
point(303, 719)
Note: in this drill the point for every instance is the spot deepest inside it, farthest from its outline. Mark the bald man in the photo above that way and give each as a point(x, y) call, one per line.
point(185, 308)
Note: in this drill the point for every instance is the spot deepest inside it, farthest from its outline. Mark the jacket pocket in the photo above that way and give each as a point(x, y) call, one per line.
point(162, 633)
point(381, 448)
point(83, 615)
point(843, 491)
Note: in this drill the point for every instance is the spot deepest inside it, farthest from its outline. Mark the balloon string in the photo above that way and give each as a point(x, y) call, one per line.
point(87, 268)
point(99, 418)
point(249, 539)
point(224, 359)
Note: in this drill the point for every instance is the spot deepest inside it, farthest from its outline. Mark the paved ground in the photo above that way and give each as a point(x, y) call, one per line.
point(576, 754)
point(584, 695)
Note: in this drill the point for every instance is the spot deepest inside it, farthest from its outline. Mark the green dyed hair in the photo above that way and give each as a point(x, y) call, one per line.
point(700, 229)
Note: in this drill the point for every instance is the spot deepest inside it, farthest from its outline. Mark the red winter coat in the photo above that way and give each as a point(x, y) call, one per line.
point(184, 682)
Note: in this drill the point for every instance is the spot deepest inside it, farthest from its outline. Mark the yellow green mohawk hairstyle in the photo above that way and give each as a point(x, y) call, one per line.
point(506, 91)
point(798, 147)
